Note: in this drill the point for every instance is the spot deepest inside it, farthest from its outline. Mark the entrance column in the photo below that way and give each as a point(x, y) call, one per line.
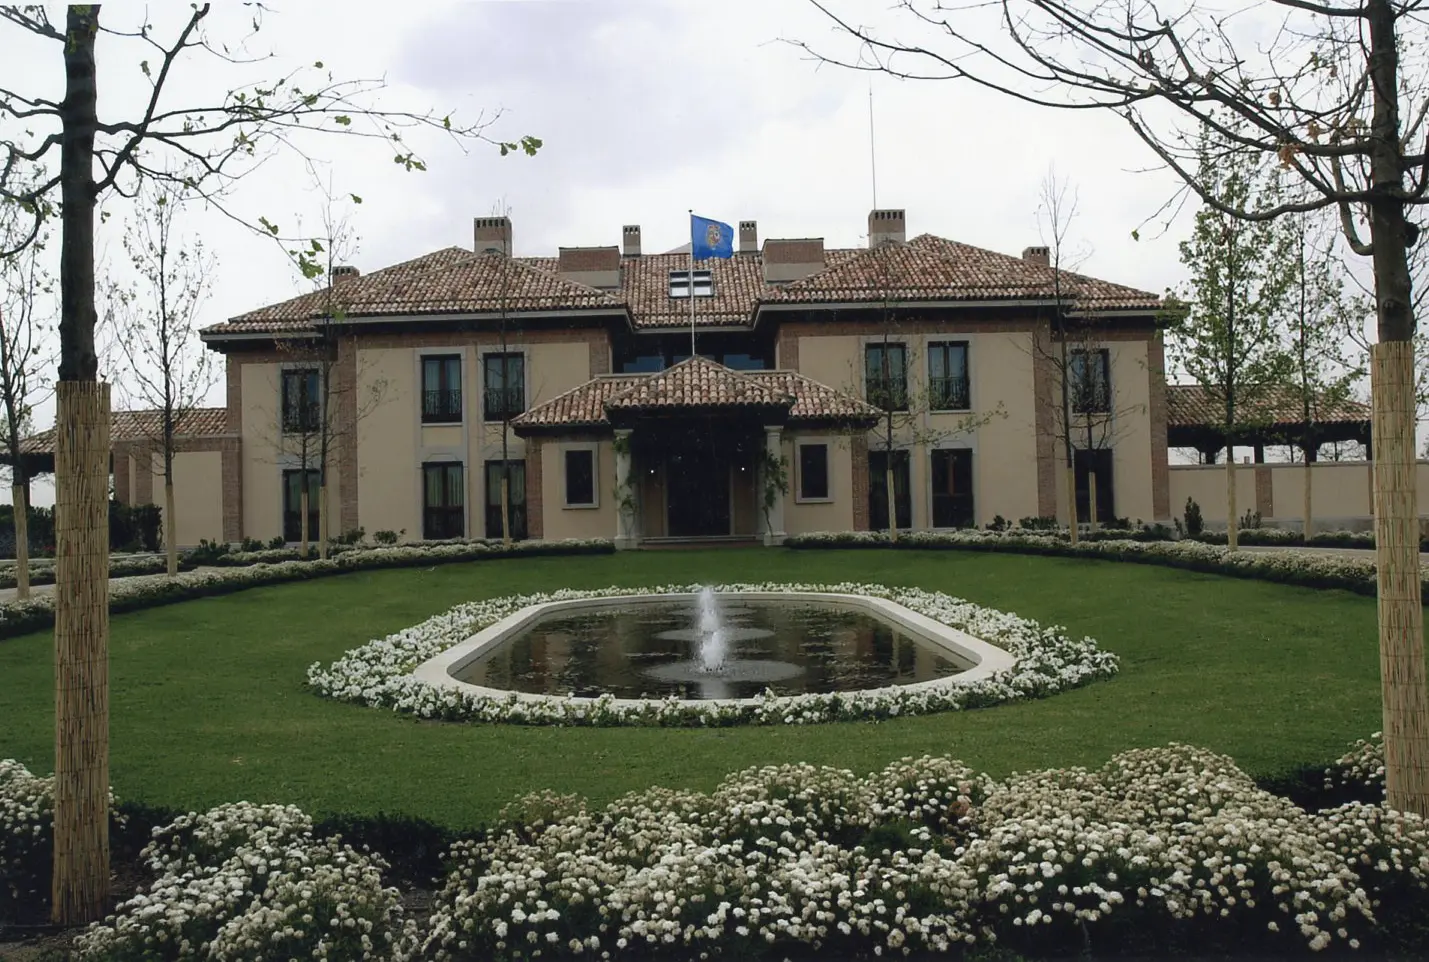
point(625, 536)
point(774, 516)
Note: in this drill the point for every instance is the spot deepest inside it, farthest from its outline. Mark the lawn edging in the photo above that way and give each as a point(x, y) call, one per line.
point(38, 612)
point(1288, 567)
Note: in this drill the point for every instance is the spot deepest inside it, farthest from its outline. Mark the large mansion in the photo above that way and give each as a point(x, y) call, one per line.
point(573, 379)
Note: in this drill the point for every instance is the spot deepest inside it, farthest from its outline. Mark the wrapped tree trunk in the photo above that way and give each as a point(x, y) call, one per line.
point(505, 503)
point(1401, 613)
point(22, 541)
point(1308, 525)
point(81, 876)
point(323, 517)
point(303, 516)
point(892, 497)
point(1092, 500)
point(1072, 504)
point(1232, 520)
point(171, 525)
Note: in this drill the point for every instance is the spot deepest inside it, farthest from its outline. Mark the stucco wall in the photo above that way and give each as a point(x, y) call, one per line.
point(575, 522)
point(1341, 491)
point(836, 514)
point(198, 495)
point(388, 482)
point(267, 452)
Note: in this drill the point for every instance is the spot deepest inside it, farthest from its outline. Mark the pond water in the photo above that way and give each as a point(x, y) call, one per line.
point(662, 648)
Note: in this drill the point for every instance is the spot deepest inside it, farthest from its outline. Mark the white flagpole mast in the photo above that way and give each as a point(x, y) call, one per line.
point(692, 282)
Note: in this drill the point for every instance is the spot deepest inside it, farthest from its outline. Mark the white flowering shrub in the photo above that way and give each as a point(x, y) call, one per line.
point(27, 809)
point(1360, 769)
point(1159, 847)
point(378, 674)
point(249, 882)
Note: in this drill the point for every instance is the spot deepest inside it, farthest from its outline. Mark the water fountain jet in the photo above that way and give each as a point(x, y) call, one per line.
point(713, 644)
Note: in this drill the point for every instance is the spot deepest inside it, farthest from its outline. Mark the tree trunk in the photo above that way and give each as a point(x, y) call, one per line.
point(22, 541)
point(171, 526)
point(81, 857)
point(505, 503)
point(303, 506)
point(1308, 525)
point(322, 517)
point(1232, 520)
point(1401, 613)
point(1072, 530)
point(892, 498)
point(1092, 500)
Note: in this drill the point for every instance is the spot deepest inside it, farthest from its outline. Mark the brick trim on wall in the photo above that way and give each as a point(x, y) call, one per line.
point(234, 376)
point(599, 357)
point(345, 383)
point(788, 349)
point(1160, 467)
point(1264, 492)
point(1044, 422)
point(122, 469)
point(231, 456)
point(535, 500)
point(859, 449)
point(143, 475)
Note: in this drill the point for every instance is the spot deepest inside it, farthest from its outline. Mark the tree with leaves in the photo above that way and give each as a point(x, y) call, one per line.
point(24, 285)
point(1321, 366)
point(156, 317)
point(1230, 341)
point(1338, 94)
point(84, 158)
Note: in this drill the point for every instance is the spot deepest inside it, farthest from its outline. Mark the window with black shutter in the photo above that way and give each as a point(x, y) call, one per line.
point(505, 388)
point(886, 376)
point(443, 501)
point(813, 472)
point(441, 389)
point(302, 401)
point(953, 488)
point(948, 376)
point(580, 478)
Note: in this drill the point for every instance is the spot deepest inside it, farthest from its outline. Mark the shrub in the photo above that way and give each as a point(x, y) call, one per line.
point(277, 542)
point(1038, 524)
point(1194, 522)
point(999, 523)
point(1251, 519)
point(208, 552)
point(388, 537)
point(134, 527)
point(354, 536)
point(250, 544)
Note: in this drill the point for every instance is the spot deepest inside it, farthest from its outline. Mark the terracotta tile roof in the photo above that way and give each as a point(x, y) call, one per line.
point(1192, 406)
point(141, 426)
point(699, 382)
point(451, 281)
point(695, 383)
point(456, 281)
point(930, 268)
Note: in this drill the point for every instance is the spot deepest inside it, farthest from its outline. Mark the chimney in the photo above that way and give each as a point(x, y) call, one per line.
point(341, 273)
point(493, 234)
point(887, 227)
point(1041, 256)
point(592, 266)
point(630, 239)
point(789, 260)
point(748, 237)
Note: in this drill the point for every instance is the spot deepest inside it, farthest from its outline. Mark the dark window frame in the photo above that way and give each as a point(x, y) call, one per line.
point(441, 522)
point(1102, 461)
point(1092, 397)
point(519, 526)
point(442, 402)
point(292, 518)
point(306, 417)
point(804, 495)
point(902, 489)
point(592, 454)
point(955, 508)
point(509, 399)
point(886, 389)
point(948, 392)
point(680, 283)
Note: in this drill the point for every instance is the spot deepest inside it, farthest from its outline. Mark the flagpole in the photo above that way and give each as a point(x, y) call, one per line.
point(692, 282)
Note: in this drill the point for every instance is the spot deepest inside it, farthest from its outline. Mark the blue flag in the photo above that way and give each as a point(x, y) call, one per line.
point(710, 238)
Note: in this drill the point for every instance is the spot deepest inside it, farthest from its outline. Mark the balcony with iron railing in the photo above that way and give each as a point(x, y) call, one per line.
point(441, 407)
point(502, 403)
point(888, 393)
point(949, 394)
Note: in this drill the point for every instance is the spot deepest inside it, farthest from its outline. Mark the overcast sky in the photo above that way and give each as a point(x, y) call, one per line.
point(646, 108)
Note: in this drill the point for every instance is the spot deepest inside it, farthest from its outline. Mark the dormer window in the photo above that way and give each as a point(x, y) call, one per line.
point(680, 283)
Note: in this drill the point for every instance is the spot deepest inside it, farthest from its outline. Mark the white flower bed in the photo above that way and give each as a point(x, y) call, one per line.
point(141, 592)
point(1171, 844)
point(378, 674)
point(247, 882)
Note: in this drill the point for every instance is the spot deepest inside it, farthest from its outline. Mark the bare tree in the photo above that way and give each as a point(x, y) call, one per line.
point(23, 283)
point(84, 158)
point(157, 319)
point(1320, 88)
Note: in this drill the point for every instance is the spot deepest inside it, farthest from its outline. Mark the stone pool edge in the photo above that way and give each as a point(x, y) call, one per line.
point(987, 659)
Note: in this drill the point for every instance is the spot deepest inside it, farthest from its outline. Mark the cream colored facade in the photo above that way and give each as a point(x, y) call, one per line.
point(1340, 491)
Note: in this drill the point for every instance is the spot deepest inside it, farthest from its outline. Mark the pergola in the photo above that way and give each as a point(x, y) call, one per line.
point(1194, 419)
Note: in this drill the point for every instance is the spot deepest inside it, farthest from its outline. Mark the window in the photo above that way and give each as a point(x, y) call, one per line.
point(441, 389)
point(813, 472)
point(515, 475)
point(878, 490)
point(680, 283)
point(302, 401)
point(953, 488)
point(948, 376)
point(505, 395)
point(1090, 375)
point(580, 478)
point(885, 369)
point(1086, 463)
point(293, 504)
point(443, 501)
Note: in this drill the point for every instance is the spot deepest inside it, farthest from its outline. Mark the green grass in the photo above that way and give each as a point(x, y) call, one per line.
point(208, 703)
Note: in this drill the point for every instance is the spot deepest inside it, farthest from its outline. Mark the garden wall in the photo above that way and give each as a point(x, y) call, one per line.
point(1341, 490)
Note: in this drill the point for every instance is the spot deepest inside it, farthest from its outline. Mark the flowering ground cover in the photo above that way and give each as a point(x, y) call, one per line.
point(209, 700)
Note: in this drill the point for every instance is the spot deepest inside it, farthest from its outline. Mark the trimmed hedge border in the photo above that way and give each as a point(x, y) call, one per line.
point(1288, 567)
point(38, 613)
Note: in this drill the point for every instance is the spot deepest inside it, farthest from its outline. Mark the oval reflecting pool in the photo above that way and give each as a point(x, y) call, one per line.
point(703, 648)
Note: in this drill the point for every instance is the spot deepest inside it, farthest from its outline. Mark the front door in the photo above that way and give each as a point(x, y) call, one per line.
point(697, 491)
point(515, 472)
point(878, 490)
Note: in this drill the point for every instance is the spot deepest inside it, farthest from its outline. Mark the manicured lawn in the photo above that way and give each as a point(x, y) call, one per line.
point(208, 703)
